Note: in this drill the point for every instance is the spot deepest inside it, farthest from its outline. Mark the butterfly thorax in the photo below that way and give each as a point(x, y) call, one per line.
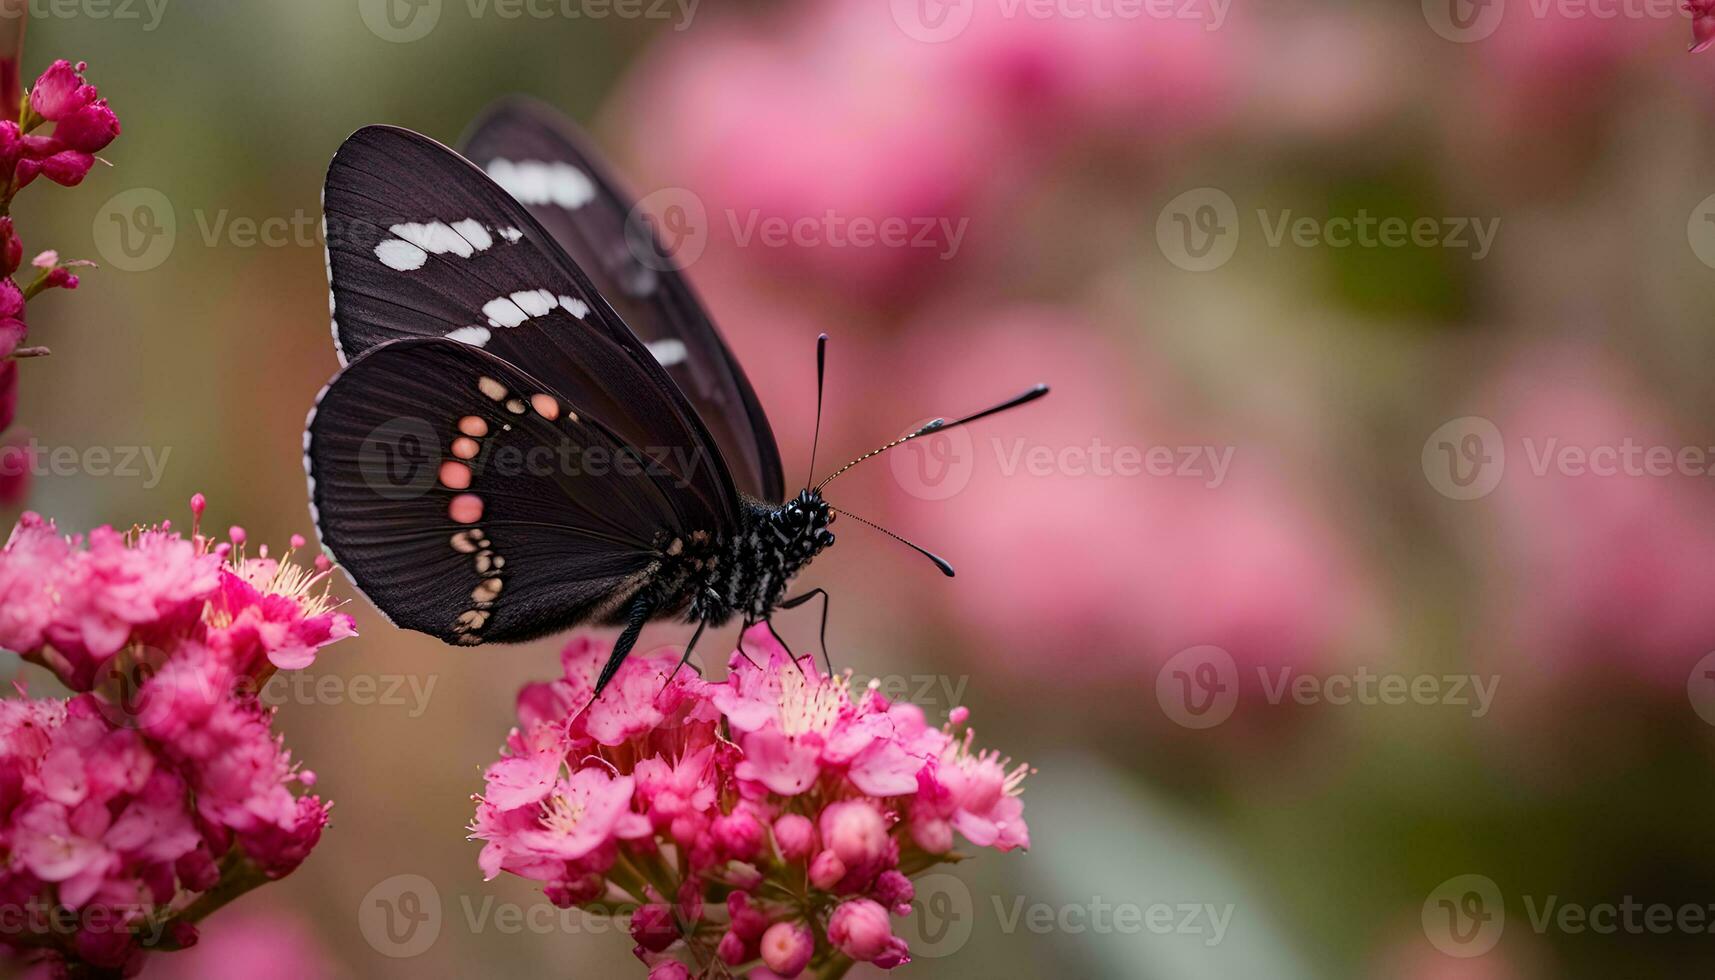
point(747, 573)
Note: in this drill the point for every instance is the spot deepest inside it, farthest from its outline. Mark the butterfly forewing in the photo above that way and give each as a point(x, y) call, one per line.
point(551, 168)
point(422, 244)
point(474, 502)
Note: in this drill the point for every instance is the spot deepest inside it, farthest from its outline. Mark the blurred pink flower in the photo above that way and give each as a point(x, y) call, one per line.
point(1702, 24)
point(1595, 573)
point(832, 126)
point(713, 802)
point(1133, 559)
point(254, 945)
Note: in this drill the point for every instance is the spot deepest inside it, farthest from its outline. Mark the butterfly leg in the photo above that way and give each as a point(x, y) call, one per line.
point(784, 645)
point(741, 650)
point(688, 648)
point(796, 601)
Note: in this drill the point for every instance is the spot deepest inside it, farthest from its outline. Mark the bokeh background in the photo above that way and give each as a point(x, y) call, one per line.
point(1351, 593)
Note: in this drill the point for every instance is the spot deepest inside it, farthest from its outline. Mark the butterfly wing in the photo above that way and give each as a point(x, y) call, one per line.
point(422, 244)
point(474, 502)
point(551, 167)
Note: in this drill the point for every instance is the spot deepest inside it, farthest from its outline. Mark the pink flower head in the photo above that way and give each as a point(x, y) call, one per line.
point(119, 800)
point(724, 791)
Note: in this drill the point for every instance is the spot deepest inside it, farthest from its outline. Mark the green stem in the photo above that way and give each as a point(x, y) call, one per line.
point(834, 968)
point(238, 875)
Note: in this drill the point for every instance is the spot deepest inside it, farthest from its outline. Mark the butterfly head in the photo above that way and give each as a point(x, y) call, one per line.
point(802, 523)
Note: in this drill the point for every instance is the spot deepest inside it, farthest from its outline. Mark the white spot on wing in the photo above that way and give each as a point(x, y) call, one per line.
point(400, 256)
point(473, 232)
point(416, 242)
point(668, 352)
point(435, 238)
point(510, 311)
point(503, 312)
point(473, 335)
point(576, 307)
point(535, 302)
point(536, 182)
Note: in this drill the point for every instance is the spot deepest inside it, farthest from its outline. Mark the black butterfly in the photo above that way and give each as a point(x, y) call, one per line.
point(513, 449)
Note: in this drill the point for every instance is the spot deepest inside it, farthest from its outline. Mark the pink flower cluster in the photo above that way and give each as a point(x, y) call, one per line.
point(83, 125)
point(770, 820)
point(158, 791)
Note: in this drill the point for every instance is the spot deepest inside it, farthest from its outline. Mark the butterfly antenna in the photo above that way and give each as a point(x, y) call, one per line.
point(821, 377)
point(940, 562)
point(942, 425)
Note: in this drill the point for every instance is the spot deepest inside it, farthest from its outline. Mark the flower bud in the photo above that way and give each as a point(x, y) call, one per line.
point(933, 836)
point(895, 891)
point(669, 970)
point(738, 834)
point(748, 921)
point(795, 836)
point(653, 928)
point(855, 831)
point(827, 870)
point(89, 129)
point(11, 247)
point(576, 891)
point(861, 930)
point(787, 947)
point(732, 949)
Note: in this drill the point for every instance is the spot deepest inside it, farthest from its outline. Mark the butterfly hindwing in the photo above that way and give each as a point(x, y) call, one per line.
point(474, 502)
point(422, 244)
point(544, 161)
